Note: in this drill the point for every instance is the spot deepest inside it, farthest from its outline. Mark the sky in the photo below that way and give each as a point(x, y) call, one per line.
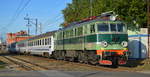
point(48, 13)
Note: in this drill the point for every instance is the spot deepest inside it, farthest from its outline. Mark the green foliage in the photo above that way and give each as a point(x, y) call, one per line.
point(128, 10)
point(2, 64)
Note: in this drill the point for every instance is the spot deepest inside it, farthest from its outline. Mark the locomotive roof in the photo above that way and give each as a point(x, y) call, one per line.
point(106, 16)
point(87, 22)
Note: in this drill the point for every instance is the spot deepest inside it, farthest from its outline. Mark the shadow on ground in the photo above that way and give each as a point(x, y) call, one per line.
point(134, 63)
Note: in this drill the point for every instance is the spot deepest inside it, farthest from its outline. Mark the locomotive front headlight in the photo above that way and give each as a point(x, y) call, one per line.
point(124, 44)
point(104, 43)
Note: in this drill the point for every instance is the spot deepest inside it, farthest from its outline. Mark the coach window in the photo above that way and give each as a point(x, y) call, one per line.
point(103, 27)
point(75, 32)
point(64, 34)
point(121, 27)
point(46, 41)
point(32, 43)
point(38, 42)
point(92, 28)
point(35, 43)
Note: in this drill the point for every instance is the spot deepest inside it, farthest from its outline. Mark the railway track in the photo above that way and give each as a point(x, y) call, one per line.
point(67, 63)
point(32, 63)
point(28, 66)
point(43, 67)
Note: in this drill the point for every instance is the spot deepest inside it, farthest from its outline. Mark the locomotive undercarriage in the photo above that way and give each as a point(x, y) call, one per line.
point(89, 57)
point(80, 56)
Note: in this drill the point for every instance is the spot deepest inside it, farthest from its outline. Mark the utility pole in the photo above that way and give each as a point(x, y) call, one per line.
point(91, 8)
point(40, 27)
point(28, 24)
point(34, 22)
point(36, 26)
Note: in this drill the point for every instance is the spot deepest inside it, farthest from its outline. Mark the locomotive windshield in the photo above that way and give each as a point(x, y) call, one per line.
point(103, 27)
point(121, 27)
point(112, 27)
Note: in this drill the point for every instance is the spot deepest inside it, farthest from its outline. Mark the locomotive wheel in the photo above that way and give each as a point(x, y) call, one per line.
point(93, 62)
point(85, 58)
point(63, 55)
point(80, 59)
point(71, 59)
point(93, 59)
point(46, 54)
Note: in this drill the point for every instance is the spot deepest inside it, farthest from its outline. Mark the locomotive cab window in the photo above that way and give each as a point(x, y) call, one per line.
point(92, 28)
point(103, 27)
point(121, 27)
point(113, 27)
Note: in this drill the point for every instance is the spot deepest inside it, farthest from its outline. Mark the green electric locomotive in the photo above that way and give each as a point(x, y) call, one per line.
point(96, 40)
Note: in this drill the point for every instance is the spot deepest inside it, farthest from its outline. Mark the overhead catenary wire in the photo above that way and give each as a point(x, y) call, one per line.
point(16, 14)
point(57, 5)
point(14, 17)
point(53, 24)
point(50, 20)
point(55, 19)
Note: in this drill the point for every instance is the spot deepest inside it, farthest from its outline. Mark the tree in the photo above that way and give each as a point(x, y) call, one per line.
point(131, 11)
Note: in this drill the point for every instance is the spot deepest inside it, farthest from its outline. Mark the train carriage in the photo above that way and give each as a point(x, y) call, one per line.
point(21, 47)
point(38, 45)
point(100, 40)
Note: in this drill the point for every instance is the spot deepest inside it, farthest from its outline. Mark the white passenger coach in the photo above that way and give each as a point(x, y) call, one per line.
point(39, 45)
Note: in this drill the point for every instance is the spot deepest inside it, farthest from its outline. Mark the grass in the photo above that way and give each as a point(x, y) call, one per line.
point(2, 65)
point(138, 65)
point(145, 66)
